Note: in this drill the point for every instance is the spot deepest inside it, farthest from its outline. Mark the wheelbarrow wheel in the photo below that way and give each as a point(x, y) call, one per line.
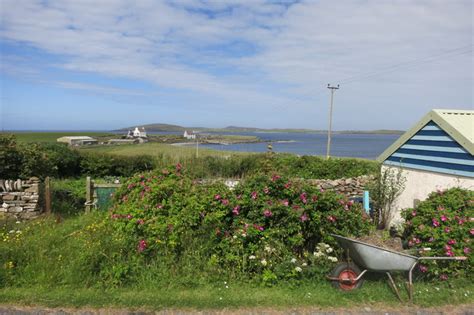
point(346, 273)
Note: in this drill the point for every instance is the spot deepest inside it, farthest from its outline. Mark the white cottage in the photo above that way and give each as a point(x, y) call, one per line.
point(137, 133)
point(189, 135)
point(436, 154)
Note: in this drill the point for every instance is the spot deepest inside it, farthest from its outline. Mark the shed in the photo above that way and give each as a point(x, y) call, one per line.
point(437, 153)
point(77, 140)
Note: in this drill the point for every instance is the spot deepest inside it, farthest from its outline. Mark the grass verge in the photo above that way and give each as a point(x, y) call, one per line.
point(237, 295)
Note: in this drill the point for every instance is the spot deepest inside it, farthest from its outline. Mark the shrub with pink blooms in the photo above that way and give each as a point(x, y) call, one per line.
point(266, 228)
point(445, 223)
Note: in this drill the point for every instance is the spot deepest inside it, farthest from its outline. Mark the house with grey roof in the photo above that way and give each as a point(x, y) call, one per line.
point(77, 140)
point(437, 153)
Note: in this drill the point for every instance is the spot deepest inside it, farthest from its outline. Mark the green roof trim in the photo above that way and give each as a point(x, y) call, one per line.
point(459, 124)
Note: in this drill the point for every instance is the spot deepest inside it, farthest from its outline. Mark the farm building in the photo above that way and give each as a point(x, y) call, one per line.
point(436, 154)
point(77, 140)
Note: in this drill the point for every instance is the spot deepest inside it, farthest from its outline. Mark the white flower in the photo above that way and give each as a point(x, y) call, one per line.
point(252, 257)
point(293, 260)
point(268, 249)
point(304, 264)
point(263, 262)
point(318, 254)
point(298, 269)
point(17, 222)
point(333, 259)
point(235, 236)
point(326, 245)
point(329, 250)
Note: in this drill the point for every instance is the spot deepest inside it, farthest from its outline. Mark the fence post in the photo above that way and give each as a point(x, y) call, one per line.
point(47, 195)
point(88, 194)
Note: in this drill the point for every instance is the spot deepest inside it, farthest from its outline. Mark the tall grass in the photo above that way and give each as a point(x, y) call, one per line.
point(61, 263)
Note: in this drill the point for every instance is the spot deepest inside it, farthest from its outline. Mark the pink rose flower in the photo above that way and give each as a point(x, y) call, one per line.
point(452, 242)
point(142, 245)
point(444, 218)
point(466, 250)
point(413, 213)
point(435, 222)
point(285, 203)
point(332, 218)
point(236, 210)
point(443, 277)
point(304, 217)
point(303, 198)
point(253, 195)
point(267, 213)
point(423, 268)
point(275, 177)
point(266, 190)
point(447, 230)
point(225, 202)
point(217, 197)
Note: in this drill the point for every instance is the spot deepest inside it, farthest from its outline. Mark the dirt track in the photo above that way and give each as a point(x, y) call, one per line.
point(369, 310)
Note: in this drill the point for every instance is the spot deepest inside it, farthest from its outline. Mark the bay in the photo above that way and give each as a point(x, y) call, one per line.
point(367, 146)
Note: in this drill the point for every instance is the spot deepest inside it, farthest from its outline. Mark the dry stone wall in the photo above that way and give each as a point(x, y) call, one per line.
point(20, 198)
point(349, 187)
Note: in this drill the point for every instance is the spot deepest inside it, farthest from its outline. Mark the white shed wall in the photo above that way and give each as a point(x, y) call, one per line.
point(419, 184)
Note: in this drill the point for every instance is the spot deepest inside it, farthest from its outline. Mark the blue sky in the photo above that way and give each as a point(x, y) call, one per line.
point(88, 64)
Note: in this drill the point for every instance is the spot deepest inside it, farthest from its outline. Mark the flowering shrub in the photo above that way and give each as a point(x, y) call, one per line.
point(444, 223)
point(265, 228)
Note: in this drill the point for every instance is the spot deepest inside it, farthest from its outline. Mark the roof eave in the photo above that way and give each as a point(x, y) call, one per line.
point(405, 137)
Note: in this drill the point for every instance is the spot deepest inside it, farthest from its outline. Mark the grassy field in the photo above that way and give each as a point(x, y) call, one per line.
point(51, 136)
point(238, 295)
point(159, 149)
point(150, 148)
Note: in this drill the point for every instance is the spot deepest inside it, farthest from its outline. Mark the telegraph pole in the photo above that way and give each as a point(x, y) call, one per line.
point(332, 88)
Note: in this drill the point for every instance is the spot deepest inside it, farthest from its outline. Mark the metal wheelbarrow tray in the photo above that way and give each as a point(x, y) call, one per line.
point(377, 259)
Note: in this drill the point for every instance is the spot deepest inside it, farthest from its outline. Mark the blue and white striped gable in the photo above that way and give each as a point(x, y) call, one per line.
point(432, 149)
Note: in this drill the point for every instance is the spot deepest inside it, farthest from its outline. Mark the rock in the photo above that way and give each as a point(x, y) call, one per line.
point(9, 197)
point(15, 209)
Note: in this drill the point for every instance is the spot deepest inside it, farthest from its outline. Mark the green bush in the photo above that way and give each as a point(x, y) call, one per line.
point(443, 222)
point(267, 228)
point(68, 196)
point(10, 157)
point(101, 165)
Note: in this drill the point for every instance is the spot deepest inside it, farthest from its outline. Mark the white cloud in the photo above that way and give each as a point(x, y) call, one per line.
point(255, 54)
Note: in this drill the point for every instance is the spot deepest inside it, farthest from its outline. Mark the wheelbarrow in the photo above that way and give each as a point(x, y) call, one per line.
point(348, 275)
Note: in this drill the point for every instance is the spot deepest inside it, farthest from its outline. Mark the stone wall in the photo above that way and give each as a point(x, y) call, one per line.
point(349, 187)
point(20, 198)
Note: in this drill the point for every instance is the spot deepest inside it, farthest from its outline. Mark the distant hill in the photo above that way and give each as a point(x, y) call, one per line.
point(156, 127)
point(175, 128)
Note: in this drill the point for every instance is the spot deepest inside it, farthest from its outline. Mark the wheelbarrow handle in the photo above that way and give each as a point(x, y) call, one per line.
point(443, 258)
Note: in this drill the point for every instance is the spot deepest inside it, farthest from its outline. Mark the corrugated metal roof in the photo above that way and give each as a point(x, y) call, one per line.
point(461, 120)
point(76, 138)
point(459, 124)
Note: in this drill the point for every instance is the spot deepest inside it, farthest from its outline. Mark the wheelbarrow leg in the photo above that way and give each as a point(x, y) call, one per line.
point(394, 287)
point(410, 282)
